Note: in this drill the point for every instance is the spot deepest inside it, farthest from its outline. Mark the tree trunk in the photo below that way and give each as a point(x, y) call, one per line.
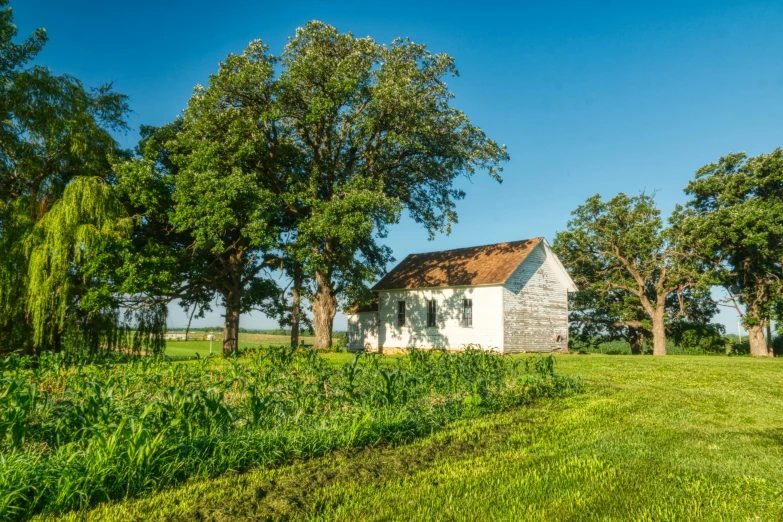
point(231, 328)
point(231, 324)
point(637, 341)
point(324, 310)
point(233, 297)
point(296, 309)
point(758, 344)
point(659, 330)
point(187, 330)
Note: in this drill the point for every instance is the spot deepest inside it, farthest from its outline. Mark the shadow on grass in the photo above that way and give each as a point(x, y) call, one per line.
point(292, 491)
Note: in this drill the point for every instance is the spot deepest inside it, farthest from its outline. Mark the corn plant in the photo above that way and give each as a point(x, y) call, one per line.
point(77, 430)
point(17, 405)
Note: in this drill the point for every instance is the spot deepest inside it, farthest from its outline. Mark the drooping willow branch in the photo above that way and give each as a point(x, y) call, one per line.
point(64, 251)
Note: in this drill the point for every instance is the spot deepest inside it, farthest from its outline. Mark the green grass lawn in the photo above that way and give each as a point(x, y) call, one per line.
point(674, 438)
point(190, 347)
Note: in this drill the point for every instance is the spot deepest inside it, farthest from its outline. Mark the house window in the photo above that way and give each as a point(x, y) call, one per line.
point(467, 313)
point(400, 313)
point(432, 313)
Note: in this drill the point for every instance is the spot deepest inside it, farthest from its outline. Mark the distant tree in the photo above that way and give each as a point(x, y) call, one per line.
point(596, 317)
point(376, 135)
point(707, 337)
point(733, 222)
point(629, 268)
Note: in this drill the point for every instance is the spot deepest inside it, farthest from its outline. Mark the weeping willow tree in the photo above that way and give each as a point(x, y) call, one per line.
point(62, 230)
point(69, 290)
point(64, 276)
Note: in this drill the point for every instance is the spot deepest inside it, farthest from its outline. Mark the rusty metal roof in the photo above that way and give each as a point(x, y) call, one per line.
point(480, 265)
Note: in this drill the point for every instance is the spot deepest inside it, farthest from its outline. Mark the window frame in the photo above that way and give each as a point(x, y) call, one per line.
point(400, 314)
point(432, 313)
point(467, 313)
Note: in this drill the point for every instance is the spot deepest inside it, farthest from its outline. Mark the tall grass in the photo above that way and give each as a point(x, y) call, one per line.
point(74, 434)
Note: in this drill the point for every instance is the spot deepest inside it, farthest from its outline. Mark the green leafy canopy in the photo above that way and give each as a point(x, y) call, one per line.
point(632, 271)
point(733, 221)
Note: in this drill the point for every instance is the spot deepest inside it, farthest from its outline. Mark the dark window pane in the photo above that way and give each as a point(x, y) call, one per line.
point(432, 313)
point(400, 313)
point(467, 313)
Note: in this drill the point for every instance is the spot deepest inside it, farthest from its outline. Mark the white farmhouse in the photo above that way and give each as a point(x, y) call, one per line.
point(508, 297)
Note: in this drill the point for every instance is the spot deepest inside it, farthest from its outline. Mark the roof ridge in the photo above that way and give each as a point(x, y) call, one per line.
point(478, 246)
point(476, 265)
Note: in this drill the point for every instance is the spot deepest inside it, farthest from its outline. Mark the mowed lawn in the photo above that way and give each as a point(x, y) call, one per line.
point(674, 438)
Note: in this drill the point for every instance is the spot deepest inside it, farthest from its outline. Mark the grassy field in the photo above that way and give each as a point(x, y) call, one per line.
point(675, 438)
point(190, 348)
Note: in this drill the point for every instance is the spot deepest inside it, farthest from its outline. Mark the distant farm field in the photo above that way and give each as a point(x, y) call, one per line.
point(672, 438)
point(192, 347)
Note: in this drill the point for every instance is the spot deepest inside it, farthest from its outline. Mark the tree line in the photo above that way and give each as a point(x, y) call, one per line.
point(292, 165)
point(275, 188)
point(642, 279)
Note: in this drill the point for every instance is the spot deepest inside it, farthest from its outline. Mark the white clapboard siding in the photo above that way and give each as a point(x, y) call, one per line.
point(535, 305)
point(487, 329)
point(363, 332)
point(526, 311)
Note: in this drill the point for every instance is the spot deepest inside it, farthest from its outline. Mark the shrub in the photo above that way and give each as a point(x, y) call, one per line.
point(777, 346)
point(698, 338)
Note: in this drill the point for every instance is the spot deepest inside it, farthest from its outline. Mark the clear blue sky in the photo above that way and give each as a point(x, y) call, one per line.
point(589, 97)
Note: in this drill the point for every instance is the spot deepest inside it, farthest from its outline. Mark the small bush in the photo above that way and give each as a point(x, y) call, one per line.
point(698, 338)
point(777, 346)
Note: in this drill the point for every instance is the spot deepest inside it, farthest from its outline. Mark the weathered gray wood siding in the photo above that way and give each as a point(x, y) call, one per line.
point(535, 306)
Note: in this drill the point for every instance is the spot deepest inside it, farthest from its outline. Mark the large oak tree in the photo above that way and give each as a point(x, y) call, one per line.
point(599, 316)
point(377, 136)
point(305, 168)
point(227, 162)
point(630, 267)
point(734, 223)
